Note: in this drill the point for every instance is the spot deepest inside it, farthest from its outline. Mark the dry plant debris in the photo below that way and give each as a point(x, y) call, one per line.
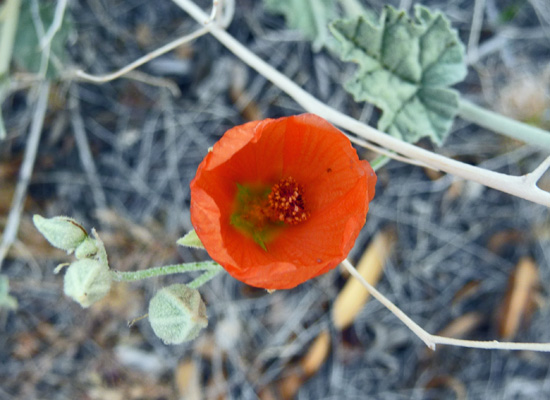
point(457, 244)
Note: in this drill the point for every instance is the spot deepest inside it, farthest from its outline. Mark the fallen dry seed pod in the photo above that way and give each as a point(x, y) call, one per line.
point(353, 295)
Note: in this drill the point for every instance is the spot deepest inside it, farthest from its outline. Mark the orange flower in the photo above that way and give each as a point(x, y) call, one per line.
point(279, 201)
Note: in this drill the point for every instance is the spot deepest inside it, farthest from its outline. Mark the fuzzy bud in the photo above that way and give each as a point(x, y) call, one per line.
point(86, 249)
point(177, 314)
point(87, 281)
point(62, 232)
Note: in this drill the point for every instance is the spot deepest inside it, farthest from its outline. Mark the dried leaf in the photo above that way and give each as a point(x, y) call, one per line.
point(461, 326)
point(450, 382)
point(466, 291)
point(525, 98)
point(518, 303)
point(317, 354)
point(308, 366)
point(289, 386)
point(505, 238)
point(433, 174)
point(353, 296)
point(187, 381)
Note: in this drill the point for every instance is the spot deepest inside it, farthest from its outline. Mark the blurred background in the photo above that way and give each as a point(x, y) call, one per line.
point(119, 157)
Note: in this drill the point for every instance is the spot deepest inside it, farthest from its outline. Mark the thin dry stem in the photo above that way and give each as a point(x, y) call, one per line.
point(221, 14)
point(12, 225)
point(85, 152)
point(533, 177)
point(475, 31)
point(432, 340)
point(142, 60)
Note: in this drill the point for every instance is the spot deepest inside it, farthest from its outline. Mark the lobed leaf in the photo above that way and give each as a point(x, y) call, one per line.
point(27, 52)
point(311, 17)
point(405, 68)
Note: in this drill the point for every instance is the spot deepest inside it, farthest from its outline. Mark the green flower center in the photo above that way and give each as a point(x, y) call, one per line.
point(261, 212)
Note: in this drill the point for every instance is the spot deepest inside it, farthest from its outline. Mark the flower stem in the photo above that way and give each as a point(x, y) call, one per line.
point(504, 125)
point(208, 266)
point(205, 277)
point(379, 162)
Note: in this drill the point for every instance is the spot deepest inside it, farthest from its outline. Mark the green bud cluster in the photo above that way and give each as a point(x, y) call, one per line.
point(88, 279)
point(177, 313)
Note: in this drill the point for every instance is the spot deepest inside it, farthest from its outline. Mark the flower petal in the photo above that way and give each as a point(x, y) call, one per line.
point(337, 189)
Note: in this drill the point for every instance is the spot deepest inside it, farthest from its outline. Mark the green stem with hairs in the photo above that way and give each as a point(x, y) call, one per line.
point(379, 162)
point(211, 269)
point(504, 125)
point(205, 277)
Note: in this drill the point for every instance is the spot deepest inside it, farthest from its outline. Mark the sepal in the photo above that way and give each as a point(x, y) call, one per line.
point(191, 239)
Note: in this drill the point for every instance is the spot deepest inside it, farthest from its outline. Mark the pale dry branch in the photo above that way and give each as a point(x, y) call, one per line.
point(80, 74)
point(433, 340)
point(85, 152)
point(475, 31)
point(12, 225)
point(533, 177)
point(221, 14)
point(151, 80)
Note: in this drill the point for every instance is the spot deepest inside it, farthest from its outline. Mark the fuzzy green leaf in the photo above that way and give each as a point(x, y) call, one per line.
point(27, 52)
point(405, 68)
point(311, 17)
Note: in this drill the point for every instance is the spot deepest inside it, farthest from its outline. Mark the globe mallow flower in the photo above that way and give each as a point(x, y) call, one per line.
point(279, 201)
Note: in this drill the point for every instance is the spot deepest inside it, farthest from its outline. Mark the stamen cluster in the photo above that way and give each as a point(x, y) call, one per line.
point(287, 203)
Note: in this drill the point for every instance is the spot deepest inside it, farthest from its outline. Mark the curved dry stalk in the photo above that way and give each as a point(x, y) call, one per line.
point(432, 340)
point(140, 61)
point(515, 185)
point(221, 14)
